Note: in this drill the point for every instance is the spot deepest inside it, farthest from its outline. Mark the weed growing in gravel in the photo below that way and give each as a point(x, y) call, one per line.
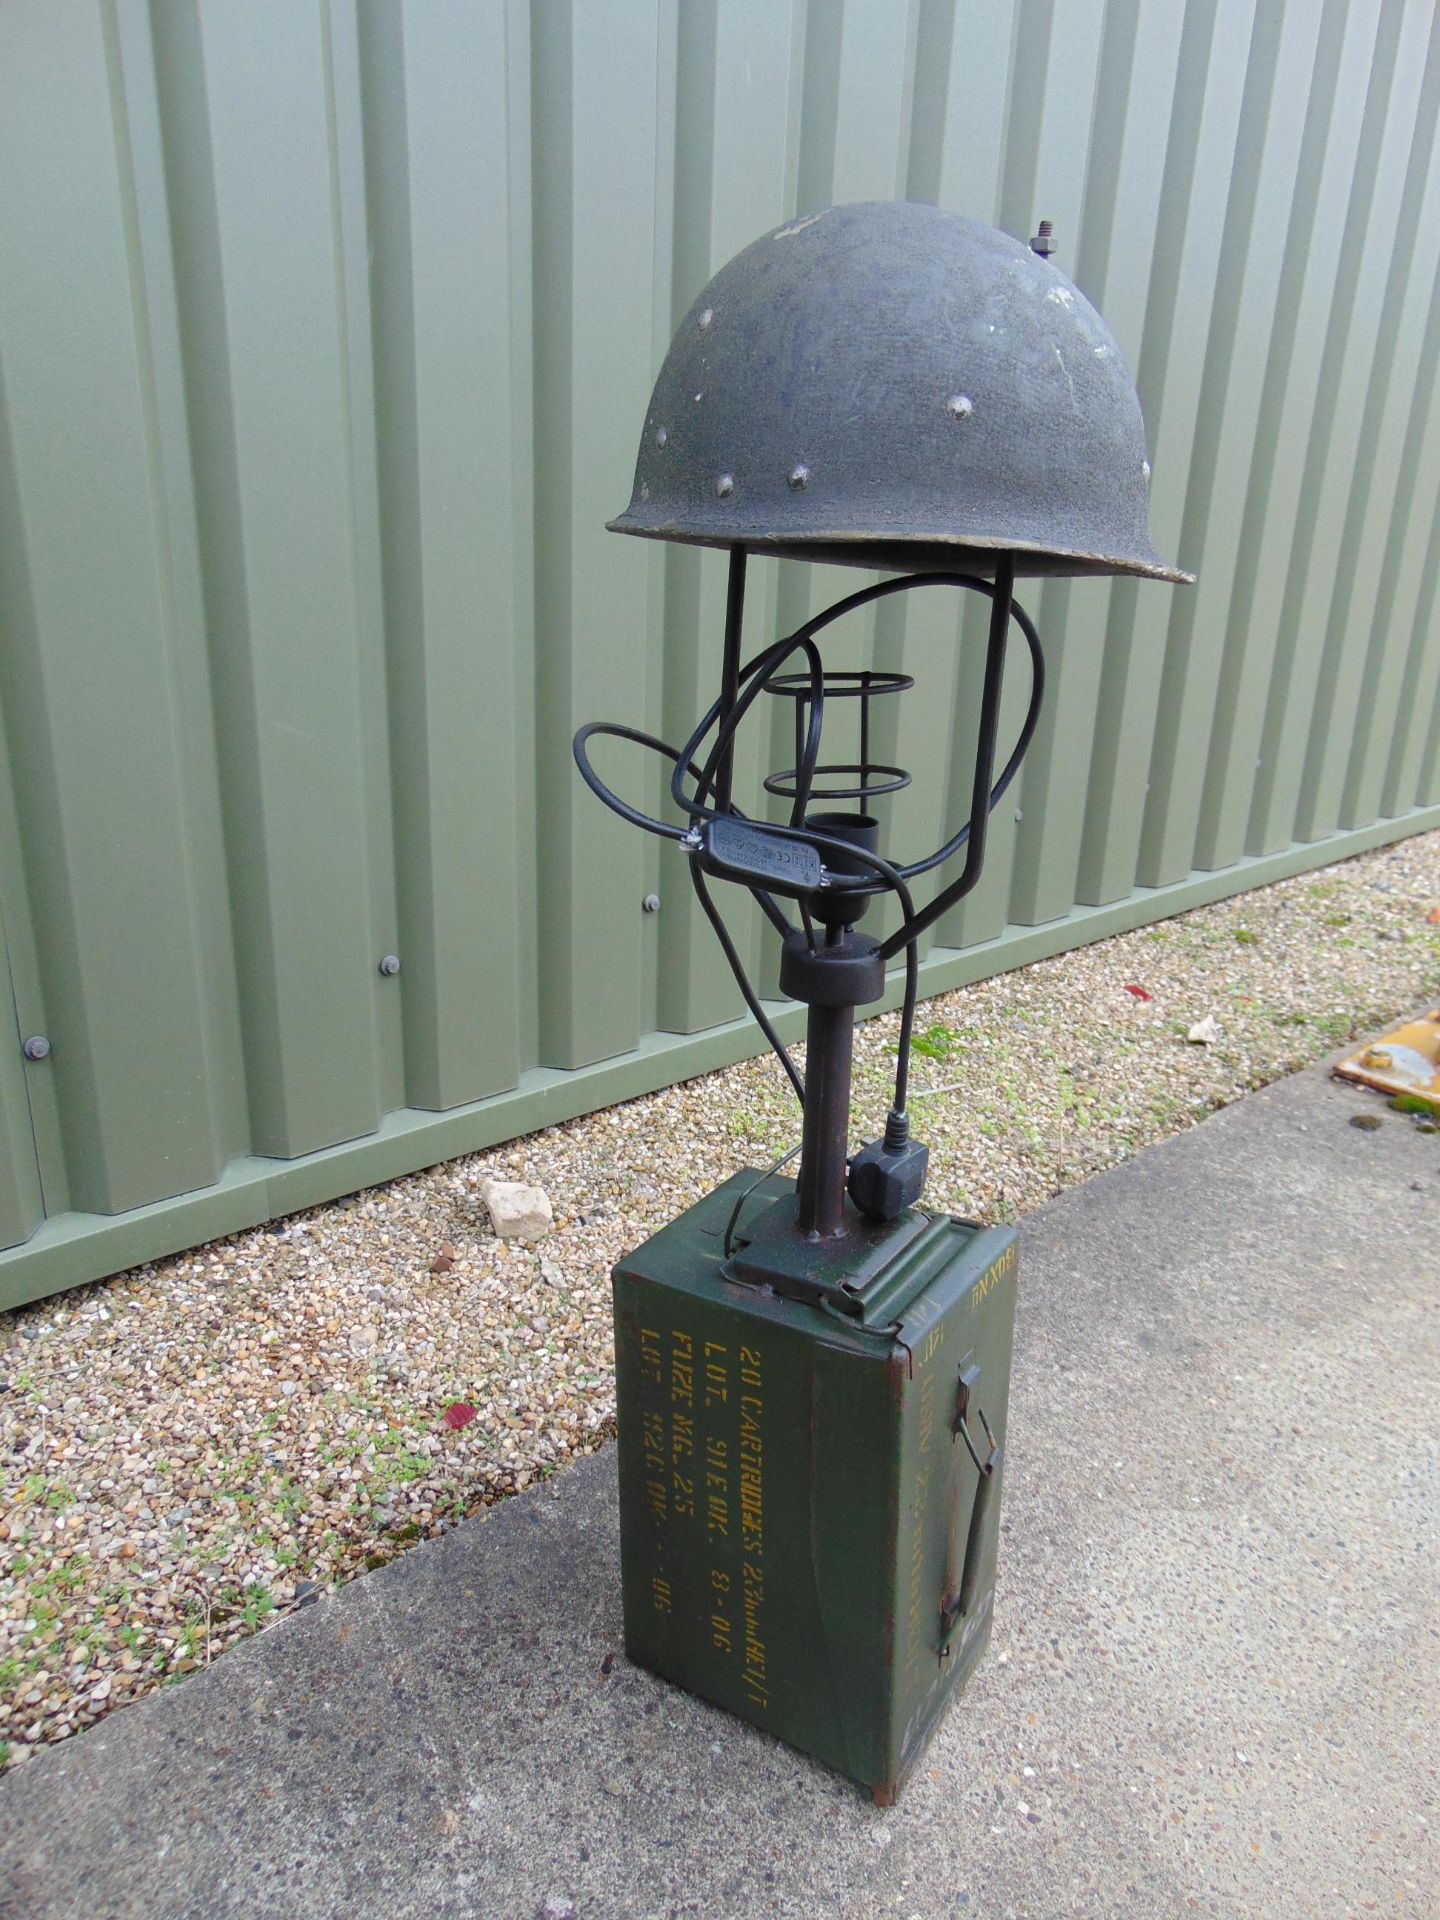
point(935, 1043)
point(402, 1468)
point(256, 1608)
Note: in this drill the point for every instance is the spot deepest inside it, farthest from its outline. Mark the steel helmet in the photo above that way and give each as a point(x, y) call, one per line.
point(896, 386)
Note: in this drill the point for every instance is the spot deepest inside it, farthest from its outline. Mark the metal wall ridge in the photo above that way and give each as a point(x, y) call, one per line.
point(327, 328)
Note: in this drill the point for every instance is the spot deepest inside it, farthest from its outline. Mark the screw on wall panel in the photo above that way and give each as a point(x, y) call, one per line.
point(960, 406)
point(725, 486)
point(798, 479)
point(37, 1047)
point(390, 964)
point(1044, 241)
point(651, 903)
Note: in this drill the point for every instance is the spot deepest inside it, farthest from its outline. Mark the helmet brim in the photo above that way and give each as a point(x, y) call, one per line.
point(922, 551)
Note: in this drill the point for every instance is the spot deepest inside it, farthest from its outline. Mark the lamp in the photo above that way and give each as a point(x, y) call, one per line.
point(812, 1374)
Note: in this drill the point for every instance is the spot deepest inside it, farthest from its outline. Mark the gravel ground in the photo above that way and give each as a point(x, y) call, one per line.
point(195, 1447)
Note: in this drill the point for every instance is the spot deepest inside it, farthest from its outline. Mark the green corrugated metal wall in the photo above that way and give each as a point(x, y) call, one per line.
point(326, 332)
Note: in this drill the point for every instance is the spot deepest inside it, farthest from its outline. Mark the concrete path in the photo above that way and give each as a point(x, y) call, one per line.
point(1214, 1688)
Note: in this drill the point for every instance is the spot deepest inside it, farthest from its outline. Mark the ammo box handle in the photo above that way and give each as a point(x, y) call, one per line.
point(959, 1597)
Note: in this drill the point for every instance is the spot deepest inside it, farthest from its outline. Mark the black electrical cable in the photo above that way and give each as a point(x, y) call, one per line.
point(760, 1178)
point(907, 1027)
point(612, 729)
point(742, 980)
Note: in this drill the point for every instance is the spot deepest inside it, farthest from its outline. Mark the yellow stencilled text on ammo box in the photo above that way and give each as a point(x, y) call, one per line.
point(752, 1523)
point(650, 1354)
point(652, 1428)
point(682, 1423)
point(997, 1271)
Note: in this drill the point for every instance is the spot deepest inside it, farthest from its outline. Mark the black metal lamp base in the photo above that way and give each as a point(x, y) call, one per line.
point(771, 1251)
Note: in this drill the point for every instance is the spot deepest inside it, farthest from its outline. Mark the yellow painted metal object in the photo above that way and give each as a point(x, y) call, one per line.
point(1405, 1061)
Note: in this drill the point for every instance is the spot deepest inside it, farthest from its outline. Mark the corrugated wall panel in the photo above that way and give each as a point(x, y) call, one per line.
point(86, 676)
point(1429, 792)
point(1338, 424)
point(1390, 396)
point(1139, 77)
point(1395, 391)
point(439, 158)
point(1417, 718)
point(22, 1202)
point(594, 157)
point(327, 329)
point(1241, 325)
point(1386, 696)
point(1193, 155)
point(1059, 98)
point(1290, 394)
point(262, 297)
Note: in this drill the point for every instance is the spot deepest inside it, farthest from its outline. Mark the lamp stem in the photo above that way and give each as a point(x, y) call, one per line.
point(829, 1046)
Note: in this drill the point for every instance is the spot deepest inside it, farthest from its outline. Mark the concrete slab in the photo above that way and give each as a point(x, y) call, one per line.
point(1215, 1685)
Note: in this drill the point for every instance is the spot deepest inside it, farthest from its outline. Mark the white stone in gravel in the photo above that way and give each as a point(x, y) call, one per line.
point(517, 1211)
point(1205, 1032)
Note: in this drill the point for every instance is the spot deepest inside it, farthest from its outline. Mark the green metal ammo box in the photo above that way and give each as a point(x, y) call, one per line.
point(809, 1492)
